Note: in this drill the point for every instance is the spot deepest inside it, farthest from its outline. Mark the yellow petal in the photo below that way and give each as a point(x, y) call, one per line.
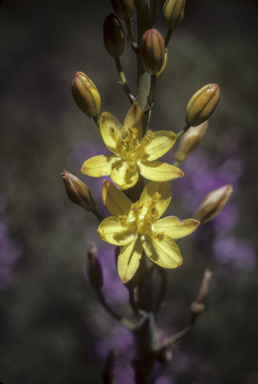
point(162, 250)
point(111, 131)
point(123, 176)
point(129, 260)
point(115, 200)
point(101, 165)
point(174, 227)
point(157, 171)
point(163, 189)
point(159, 145)
point(133, 119)
point(112, 231)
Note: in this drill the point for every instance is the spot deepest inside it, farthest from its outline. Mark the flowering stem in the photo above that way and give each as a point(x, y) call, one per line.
point(176, 163)
point(123, 80)
point(183, 131)
point(130, 30)
point(168, 36)
point(116, 316)
point(143, 78)
point(163, 275)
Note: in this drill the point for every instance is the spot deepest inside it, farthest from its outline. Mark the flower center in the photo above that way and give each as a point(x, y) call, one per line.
point(143, 216)
point(130, 148)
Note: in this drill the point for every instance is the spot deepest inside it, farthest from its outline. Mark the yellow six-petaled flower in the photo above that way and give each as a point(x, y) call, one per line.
point(137, 227)
point(132, 153)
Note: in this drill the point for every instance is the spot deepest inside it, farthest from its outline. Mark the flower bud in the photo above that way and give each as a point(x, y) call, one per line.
point(77, 191)
point(160, 73)
point(190, 140)
point(113, 35)
point(173, 13)
point(123, 8)
point(213, 203)
point(202, 104)
point(86, 95)
point(152, 51)
point(198, 304)
point(94, 269)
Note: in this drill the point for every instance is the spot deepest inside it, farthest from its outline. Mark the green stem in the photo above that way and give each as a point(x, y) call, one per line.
point(130, 30)
point(96, 120)
point(143, 78)
point(150, 100)
point(168, 37)
point(183, 131)
point(98, 215)
point(163, 275)
point(123, 80)
point(152, 90)
point(154, 9)
point(116, 316)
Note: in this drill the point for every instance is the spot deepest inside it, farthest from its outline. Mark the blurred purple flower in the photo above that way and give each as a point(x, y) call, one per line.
point(239, 252)
point(165, 380)
point(10, 251)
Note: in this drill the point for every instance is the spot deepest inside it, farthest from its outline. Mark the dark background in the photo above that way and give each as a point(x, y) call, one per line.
point(46, 326)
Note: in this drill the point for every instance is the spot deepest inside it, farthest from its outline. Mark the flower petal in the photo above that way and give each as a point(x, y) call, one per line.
point(129, 259)
point(157, 171)
point(123, 177)
point(162, 142)
point(133, 119)
point(162, 250)
point(101, 165)
point(174, 227)
point(112, 231)
point(111, 131)
point(163, 189)
point(115, 200)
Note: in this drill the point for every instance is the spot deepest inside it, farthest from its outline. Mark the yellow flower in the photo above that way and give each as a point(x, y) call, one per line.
point(132, 153)
point(137, 227)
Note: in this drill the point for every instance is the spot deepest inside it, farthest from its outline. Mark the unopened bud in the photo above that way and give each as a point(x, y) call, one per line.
point(113, 35)
point(152, 51)
point(202, 104)
point(160, 73)
point(190, 140)
point(123, 8)
point(86, 95)
point(213, 203)
point(77, 191)
point(173, 13)
point(198, 304)
point(94, 269)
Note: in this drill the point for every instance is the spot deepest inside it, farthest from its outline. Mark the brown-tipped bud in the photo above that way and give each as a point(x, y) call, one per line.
point(94, 269)
point(113, 35)
point(198, 304)
point(77, 191)
point(152, 51)
point(213, 203)
point(86, 95)
point(123, 8)
point(202, 104)
point(190, 140)
point(173, 13)
point(160, 73)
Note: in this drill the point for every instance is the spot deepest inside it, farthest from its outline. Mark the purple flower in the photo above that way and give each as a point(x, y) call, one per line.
point(10, 251)
point(239, 252)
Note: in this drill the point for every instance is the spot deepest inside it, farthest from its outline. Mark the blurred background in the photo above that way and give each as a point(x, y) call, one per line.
point(52, 329)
